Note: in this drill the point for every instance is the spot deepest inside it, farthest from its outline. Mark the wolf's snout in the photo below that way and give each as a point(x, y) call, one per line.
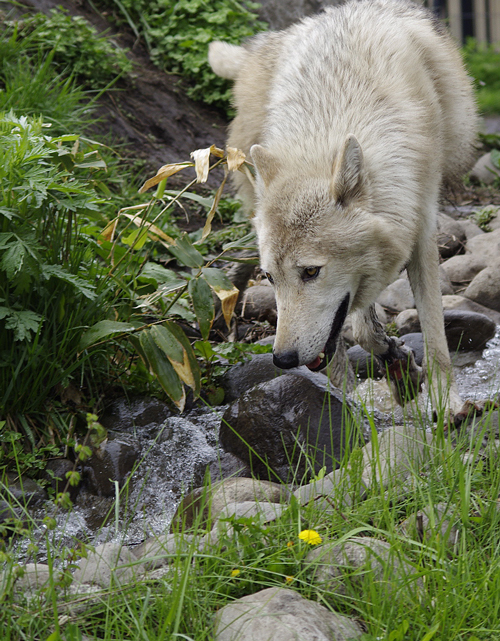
point(286, 360)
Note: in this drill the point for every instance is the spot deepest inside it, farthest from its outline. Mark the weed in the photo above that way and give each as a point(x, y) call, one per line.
point(484, 216)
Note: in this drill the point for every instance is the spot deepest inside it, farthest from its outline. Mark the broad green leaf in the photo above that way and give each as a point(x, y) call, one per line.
point(136, 239)
point(23, 323)
point(205, 350)
point(163, 369)
point(161, 275)
point(178, 352)
point(104, 329)
point(224, 289)
point(249, 241)
point(216, 278)
point(185, 253)
point(83, 286)
point(203, 304)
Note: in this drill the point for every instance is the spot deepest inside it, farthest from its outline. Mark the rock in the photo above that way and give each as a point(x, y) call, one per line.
point(465, 331)
point(398, 296)
point(34, 576)
point(276, 424)
point(281, 615)
point(445, 283)
point(227, 465)
point(264, 512)
point(112, 461)
point(395, 454)
point(485, 287)
point(243, 376)
point(213, 500)
point(55, 472)
point(471, 229)
point(462, 269)
point(259, 303)
point(341, 485)
point(110, 563)
point(484, 170)
point(158, 552)
point(459, 302)
point(450, 237)
point(335, 566)
point(486, 247)
point(440, 520)
point(364, 363)
point(415, 341)
point(144, 414)
point(25, 491)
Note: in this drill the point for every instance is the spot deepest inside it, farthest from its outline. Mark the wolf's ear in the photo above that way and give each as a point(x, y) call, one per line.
point(348, 171)
point(266, 164)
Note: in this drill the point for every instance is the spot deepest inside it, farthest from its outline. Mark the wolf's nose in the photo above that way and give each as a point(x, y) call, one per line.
point(286, 360)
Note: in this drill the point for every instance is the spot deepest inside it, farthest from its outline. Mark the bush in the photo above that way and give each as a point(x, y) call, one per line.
point(178, 34)
point(483, 63)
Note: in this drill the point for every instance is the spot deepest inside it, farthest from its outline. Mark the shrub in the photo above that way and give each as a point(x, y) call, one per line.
point(483, 62)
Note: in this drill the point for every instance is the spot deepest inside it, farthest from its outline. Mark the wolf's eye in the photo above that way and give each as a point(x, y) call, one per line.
point(269, 278)
point(310, 273)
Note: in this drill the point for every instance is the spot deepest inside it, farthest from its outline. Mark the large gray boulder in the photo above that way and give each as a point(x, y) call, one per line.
point(485, 287)
point(290, 426)
point(281, 615)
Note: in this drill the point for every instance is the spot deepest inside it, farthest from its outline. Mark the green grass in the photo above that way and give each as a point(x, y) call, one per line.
point(483, 63)
point(449, 592)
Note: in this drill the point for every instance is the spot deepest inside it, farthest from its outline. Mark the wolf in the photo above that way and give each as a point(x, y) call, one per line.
point(354, 119)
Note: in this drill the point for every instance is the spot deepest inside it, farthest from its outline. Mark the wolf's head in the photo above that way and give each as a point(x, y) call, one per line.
point(322, 248)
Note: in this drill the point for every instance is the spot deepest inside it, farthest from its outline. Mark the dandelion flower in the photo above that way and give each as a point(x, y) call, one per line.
point(235, 573)
point(310, 536)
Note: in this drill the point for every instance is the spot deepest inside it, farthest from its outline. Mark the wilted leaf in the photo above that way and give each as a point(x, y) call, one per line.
point(224, 289)
point(235, 158)
point(201, 159)
point(210, 216)
point(203, 304)
point(108, 233)
point(154, 232)
point(163, 369)
point(164, 172)
point(103, 329)
point(171, 339)
point(186, 253)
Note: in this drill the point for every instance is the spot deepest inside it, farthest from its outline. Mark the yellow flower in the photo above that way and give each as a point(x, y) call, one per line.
point(310, 536)
point(235, 573)
point(289, 544)
point(288, 579)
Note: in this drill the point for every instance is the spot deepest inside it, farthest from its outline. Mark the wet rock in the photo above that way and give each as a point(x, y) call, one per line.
point(465, 331)
point(440, 520)
point(276, 423)
point(110, 563)
point(56, 470)
point(451, 236)
point(278, 613)
point(259, 303)
point(203, 505)
point(243, 376)
point(484, 170)
point(460, 302)
point(415, 341)
point(228, 465)
point(141, 414)
point(112, 461)
point(462, 269)
point(337, 567)
point(364, 363)
point(24, 491)
point(485, 287)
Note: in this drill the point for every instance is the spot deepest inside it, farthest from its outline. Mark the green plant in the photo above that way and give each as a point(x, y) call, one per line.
point(178, 33)
point(484, 216)
point(483, 63)
point(163, 295)
point(76, 48)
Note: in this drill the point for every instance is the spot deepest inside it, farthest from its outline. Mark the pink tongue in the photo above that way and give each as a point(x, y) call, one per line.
point(315, 363)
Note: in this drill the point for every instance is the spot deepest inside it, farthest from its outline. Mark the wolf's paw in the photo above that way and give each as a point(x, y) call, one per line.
point(469, 410)
point(404, 375)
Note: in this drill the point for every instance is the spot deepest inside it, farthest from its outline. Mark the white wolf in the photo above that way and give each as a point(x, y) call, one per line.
point(354, 119)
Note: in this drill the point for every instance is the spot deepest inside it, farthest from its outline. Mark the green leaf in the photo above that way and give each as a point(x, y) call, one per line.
point(23, 323)
point(203, 304)
point(104, 329)
point(495, 158)
point(163, 369)
point(83, 286)
point(178, 332)
point(185, 253)
point(136, 238)
point(216, 278)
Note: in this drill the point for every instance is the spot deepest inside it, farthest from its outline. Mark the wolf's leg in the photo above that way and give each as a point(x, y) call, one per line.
point(404, 374)
point(423, 272)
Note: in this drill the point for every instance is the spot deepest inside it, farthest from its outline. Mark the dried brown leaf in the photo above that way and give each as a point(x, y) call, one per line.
point(164, 172)
point(235, 158)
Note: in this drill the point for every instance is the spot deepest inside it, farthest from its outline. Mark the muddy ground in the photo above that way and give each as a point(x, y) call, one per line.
point(148, 112)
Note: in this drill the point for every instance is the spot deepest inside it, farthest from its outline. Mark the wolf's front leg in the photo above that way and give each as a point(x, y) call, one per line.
point(423, 272)
point(404, 375)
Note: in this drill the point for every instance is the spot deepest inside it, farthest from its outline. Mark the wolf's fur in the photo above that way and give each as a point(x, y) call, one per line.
point(354, 119)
